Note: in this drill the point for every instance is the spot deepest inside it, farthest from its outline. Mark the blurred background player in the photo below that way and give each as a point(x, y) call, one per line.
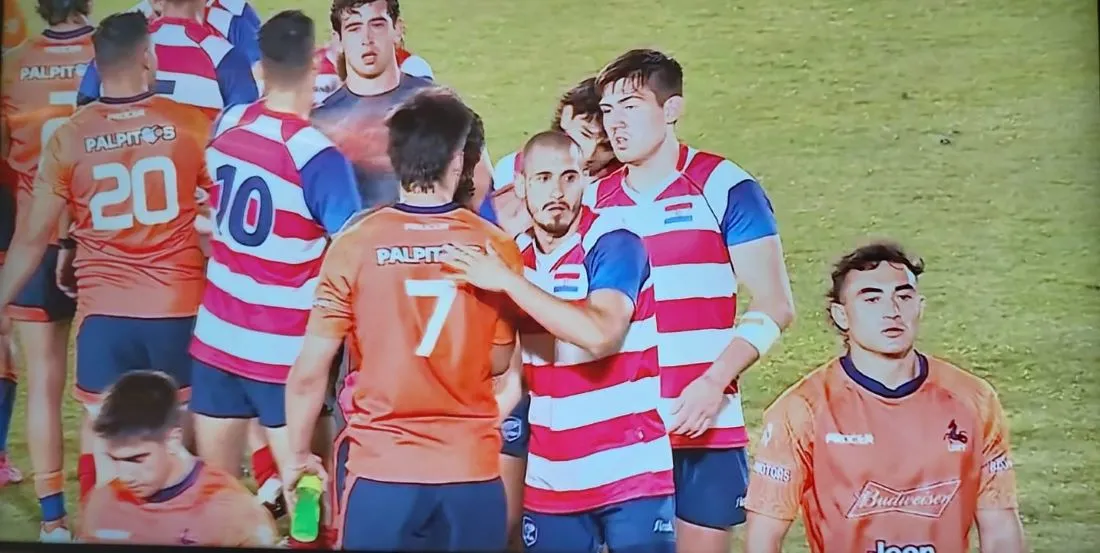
point(264, 263)
point(40, 78)
point(162, 495)
point(236, 20)
point(578, 115)
point(600, 462)
point(15, 25)
point(884, 448)
point(127, 169)
point(369, 32)
point(196, 65)
point(709, 229)
point(423, 392)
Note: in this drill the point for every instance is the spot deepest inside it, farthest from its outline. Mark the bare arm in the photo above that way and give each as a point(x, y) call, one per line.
point(305, 390)
point(508, 384)
point(761, 272)
point(596, 325)
point(765, 534)
point(1000, 531)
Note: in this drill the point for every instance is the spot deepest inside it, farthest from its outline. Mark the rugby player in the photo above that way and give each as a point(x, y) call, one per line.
point(884, 449)
point(15, 25)
point(40, 78)
point(281, 190)
point(163, 495)
point(236, 20)
point(369, 32)
point(197, 66)
point(417, 463)
point(711, 233)
point(329, 64)
point(128, 169)
point(600, 462)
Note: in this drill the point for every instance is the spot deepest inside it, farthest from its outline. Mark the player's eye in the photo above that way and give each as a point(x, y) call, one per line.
point(905, 297)
point(871, 299)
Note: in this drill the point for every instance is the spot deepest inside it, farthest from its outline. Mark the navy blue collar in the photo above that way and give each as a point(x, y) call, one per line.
point(130, 100)
point(174, 491)
point(426, 209)
point(66, 35)
point(877, 388)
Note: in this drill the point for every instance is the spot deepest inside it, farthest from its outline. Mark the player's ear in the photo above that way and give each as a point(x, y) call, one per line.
point(175, 438)
point(839, 316)
point(920, 311)
point(399, 26)
point(674, 108)
point(520, 186)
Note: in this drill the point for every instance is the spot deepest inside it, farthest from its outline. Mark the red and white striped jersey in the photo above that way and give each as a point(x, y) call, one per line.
point(281, 189)
point(597, 437)
point(707, 206)
point(235, 20)
point(328, 79)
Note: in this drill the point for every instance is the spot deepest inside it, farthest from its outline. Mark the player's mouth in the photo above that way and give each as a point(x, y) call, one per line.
point(620, 142)
point(556, 207)
point(893, 332)
point(369, 57)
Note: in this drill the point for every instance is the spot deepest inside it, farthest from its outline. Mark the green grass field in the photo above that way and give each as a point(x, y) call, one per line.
point(843, 113)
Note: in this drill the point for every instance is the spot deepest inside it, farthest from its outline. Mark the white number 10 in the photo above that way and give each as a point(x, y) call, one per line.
point(444, 291)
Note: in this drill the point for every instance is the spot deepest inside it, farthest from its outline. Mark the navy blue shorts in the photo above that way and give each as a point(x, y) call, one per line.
point(7, 218)
point(643, 525)
point(221, 395)
point(108, 347)
point(386, 516)
point(41, 300)
point(711, 486)
point(515, 433)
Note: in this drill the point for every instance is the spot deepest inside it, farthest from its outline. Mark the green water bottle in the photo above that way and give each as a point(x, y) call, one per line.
point(305, 521)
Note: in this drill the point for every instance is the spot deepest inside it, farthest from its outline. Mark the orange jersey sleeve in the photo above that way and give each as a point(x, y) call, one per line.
point(781, 467)
point(131, 174)
point(15, 25)
point(331, 316)
point(998, 480)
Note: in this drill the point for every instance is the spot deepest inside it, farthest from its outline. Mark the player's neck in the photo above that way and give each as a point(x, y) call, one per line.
point(366, 86)
point(72, 24)
point(426, 199)
point(182, 465)
point(125, 86)
point(289, 102)
point(181, 12)
point(547, 242)
point(655, 170)
point(890, 371)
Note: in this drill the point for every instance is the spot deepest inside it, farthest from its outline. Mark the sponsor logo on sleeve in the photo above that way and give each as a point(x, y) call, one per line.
point(1001, 463)
point(771, 471)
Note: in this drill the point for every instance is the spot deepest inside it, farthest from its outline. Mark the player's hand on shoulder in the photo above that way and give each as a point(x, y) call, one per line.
point(698, 405)
point(483, 269)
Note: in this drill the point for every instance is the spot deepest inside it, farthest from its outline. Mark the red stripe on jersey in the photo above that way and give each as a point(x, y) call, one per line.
point(571, 276)
point(186, 60)
point(696, 314)
point(715, 438)
point(682, 156)
point(571, 380)
point(258, 318)
point(289, 224)
point(646, 305)
point(578, 443)
point(643, 485)
point(252, 370)
point(262, 151)
point(694, 177)
point(686, 247)
point(675, 379)
point(263, 271)
point(610, 193)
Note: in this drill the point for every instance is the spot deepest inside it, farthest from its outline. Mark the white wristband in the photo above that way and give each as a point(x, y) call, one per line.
point(758, 329)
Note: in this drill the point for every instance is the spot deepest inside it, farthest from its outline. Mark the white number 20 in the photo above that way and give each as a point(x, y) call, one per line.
point(132, 185)
point(444, 291)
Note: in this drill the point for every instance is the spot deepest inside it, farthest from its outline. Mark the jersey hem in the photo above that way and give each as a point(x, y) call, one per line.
point(541, 509)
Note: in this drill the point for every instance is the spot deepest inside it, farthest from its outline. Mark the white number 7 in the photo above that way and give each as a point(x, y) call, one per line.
point(444, 291)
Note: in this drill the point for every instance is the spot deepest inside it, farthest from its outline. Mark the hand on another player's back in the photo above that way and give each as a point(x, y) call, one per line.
point(695, 410)
point(483, 270)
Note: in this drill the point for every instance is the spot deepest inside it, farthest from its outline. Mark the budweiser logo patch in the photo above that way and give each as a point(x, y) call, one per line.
point(926, 501)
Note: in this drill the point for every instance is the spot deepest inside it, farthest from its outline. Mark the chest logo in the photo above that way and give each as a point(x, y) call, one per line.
point(679, 212)
point(928, 501)
point(956, 439)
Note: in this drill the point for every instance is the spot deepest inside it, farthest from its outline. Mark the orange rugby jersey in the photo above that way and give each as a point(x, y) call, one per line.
point(873, 469)
point(40, 78)
point(209, 508)
point(15, 25)
point(419, 400)
point(130, 170)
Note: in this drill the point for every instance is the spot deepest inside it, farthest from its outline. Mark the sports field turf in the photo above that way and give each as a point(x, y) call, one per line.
point(968, 130)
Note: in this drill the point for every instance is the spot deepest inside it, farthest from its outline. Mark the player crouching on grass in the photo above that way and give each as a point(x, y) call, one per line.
point(884, 449)
point(163, 495)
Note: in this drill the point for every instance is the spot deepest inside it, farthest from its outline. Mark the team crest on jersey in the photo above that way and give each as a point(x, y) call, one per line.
point(128, 139)
point(52, 72)
point(570, 282)
point(928, 501)
point(956, 439)
point(678, 212)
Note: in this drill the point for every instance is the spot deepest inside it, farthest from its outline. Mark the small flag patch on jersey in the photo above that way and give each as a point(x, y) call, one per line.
point(566, 282)
point(678, 213)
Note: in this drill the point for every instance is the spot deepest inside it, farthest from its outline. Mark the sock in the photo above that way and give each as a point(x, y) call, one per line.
point(7, 405)
point(263, 466)
point(85, 474)
point(51, 500)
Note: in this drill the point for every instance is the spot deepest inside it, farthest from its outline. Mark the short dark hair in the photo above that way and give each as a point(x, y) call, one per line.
point(645, 68)
point(287, 44)
point(118, 37)
point(340, 8)
point(866, 258)
point(584, 98)
point(54, 12)
point(426, 130)
point(141, 405)
point(471, 156)
point(548, 139)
